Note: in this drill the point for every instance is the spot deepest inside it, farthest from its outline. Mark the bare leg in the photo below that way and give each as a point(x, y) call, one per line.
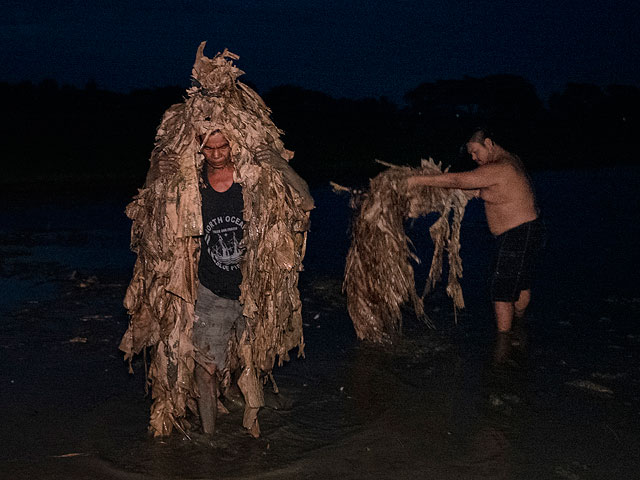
point(522, 303)
point(208, 399)
point(504, 315)
point(502, 347)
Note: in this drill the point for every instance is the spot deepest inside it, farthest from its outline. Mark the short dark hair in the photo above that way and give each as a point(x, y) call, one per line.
point(480, 134)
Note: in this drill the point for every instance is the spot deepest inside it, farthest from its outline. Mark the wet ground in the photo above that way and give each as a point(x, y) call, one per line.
point(560, 399)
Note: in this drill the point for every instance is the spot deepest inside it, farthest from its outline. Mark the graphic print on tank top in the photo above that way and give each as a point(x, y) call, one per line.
point(222, 246)
point(223, 240)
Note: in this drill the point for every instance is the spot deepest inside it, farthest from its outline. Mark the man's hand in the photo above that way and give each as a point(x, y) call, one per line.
point(268, 156)
point(163, 166)
point(167, 166)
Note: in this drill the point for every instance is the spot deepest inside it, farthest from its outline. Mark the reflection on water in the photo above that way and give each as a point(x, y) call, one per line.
point(16, 291)
point(43, 241)
point(511, 347)
point(488, 455)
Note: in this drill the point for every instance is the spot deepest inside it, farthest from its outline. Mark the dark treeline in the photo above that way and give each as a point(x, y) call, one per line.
point(60, 132)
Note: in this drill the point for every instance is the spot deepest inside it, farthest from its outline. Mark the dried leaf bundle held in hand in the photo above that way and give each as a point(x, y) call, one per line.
point(378, 275)
point(167, 225)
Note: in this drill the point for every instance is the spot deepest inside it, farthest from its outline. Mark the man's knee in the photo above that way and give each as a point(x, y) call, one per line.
point(520, 305)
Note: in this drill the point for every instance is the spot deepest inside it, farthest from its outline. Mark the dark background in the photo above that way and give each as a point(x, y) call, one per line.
point(57, 134)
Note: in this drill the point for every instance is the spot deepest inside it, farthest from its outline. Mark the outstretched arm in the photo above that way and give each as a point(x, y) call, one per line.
point(481, 177)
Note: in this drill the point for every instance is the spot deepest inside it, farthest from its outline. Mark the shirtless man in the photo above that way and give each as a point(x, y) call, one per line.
point(501, 181)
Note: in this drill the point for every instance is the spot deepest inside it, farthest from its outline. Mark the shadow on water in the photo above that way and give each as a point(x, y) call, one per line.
point(559, 398)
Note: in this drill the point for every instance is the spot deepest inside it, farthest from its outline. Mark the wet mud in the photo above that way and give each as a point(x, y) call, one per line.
point(558, 399)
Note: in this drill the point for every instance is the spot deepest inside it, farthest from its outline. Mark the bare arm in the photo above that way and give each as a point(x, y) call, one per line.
point(481, 177)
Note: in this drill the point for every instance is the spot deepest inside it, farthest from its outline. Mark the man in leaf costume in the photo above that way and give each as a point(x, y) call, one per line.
point(220, 202)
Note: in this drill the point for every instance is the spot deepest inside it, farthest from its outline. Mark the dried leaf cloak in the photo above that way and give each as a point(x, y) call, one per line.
point(165, 235)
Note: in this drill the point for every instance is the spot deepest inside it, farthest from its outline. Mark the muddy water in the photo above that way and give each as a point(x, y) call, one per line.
point(558, 400)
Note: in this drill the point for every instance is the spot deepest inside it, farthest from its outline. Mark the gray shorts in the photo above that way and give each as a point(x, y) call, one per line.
point(216, 320)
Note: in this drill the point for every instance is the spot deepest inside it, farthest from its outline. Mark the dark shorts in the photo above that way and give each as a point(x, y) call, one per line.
point(516, 256)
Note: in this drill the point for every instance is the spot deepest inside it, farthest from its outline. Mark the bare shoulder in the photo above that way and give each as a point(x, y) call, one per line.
point(508, 166)
point(493, 168)
point(498, 173)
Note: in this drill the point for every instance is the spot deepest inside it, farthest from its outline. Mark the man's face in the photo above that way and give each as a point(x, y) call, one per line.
point(479, 152)
point(216, 151)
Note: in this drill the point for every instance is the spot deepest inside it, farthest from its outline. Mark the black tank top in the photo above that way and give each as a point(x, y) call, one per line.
point(222, 246)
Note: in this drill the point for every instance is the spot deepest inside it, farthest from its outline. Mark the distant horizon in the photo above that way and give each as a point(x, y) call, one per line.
point(398, 101)
point(360, 49)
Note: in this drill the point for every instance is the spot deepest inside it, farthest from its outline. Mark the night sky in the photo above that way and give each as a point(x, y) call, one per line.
point(350, 48)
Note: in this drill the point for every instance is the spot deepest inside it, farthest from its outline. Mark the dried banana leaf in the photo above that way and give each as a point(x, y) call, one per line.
point(165, 235)
point(379, 277)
